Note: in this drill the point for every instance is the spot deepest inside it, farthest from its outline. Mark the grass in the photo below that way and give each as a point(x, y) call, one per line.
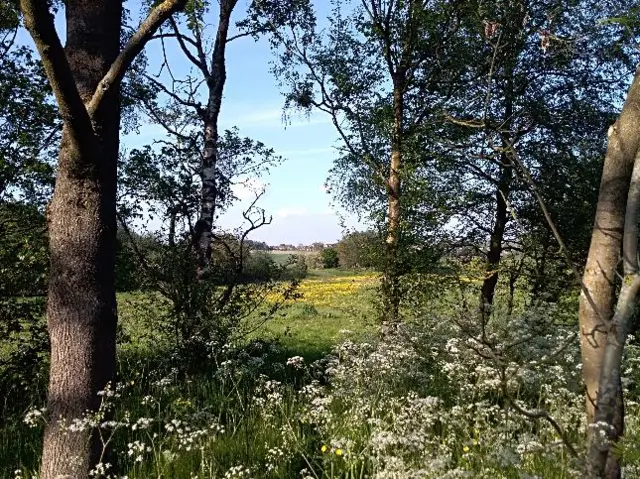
point(335, 305)
point(253, 406)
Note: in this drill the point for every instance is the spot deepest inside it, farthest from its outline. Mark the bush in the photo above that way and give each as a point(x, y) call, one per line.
point(298, 269)
point(260, 266)
point(24, 252)
point(360, 250)
point(25, 351)
point(330, 258)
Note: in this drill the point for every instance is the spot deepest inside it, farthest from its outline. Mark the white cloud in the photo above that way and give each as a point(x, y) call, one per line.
point(247, 118)
point(268, 116)
point(293, 211)
point(272, 117)
point(248, 189)
point(307, 152)
point(328, 212)
point(313, 120)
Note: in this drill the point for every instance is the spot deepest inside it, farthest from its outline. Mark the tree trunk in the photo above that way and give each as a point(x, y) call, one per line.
point(609, 398)
point(495, 244)
point(541, 265)
point(599, 279)
point(81, 309)
point(209, 192)
point(503, 189)
point(85, 78)
point(391, 280)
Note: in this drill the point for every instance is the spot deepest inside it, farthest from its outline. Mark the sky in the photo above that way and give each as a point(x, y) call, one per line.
point(302, 210)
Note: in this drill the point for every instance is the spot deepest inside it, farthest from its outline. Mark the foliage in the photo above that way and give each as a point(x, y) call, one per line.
point(23, 353)
point(24, 254)
point(29, 125)
point(499, 100)
point(360, 250)
point(330, 258)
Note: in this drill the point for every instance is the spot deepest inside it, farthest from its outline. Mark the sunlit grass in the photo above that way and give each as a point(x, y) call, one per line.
point(330, 309)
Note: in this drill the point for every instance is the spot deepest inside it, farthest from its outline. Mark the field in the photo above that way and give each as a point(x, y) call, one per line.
point(335, 305)
point(316, 393)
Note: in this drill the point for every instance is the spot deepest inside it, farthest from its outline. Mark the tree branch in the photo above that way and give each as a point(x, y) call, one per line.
point(242, 35)
point(39, 22)
point(184, 102)
point(134, 46)
point(515, 159)
point(542, 414)
point(201, 61)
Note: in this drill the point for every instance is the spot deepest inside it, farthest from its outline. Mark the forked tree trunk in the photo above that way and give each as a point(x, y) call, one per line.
point(215, 84)
point(600, 462)
point(599, 279)
point(81, 311)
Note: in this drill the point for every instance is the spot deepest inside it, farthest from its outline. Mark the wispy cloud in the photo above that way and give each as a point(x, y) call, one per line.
point(261, 117)
point(272, 117)
point(292, 211)
point(328, 212)
point(313, 120)
point(248, 189)
point(248, 118)
point(307, 152)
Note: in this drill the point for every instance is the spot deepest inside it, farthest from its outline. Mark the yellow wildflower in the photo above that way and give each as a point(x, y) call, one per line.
point(323, 448)
point(339, 452)
point(465, 449)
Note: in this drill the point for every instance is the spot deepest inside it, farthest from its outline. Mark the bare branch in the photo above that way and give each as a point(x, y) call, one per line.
point(192, 104)
point(7, 41)
point(534, 189)
point(542, 414)
point(242, 35)
point(182, 36)
point(199, 62)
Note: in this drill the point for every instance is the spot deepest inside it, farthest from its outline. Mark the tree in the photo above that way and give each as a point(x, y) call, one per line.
point(24, 254)
point(257, 245)
point(330, 258)
point(29, 125)
point(372, 73)
point(532, 70)
point(540, 70)
point(192, 40)
point(85, 78)
point(29, 132)
point(603, 333)
point(360, 249)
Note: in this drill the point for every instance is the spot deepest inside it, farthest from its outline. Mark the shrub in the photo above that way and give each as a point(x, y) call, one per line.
point(330, 258)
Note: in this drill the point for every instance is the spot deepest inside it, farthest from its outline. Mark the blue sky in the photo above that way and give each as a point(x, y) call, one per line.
point(302, 210)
